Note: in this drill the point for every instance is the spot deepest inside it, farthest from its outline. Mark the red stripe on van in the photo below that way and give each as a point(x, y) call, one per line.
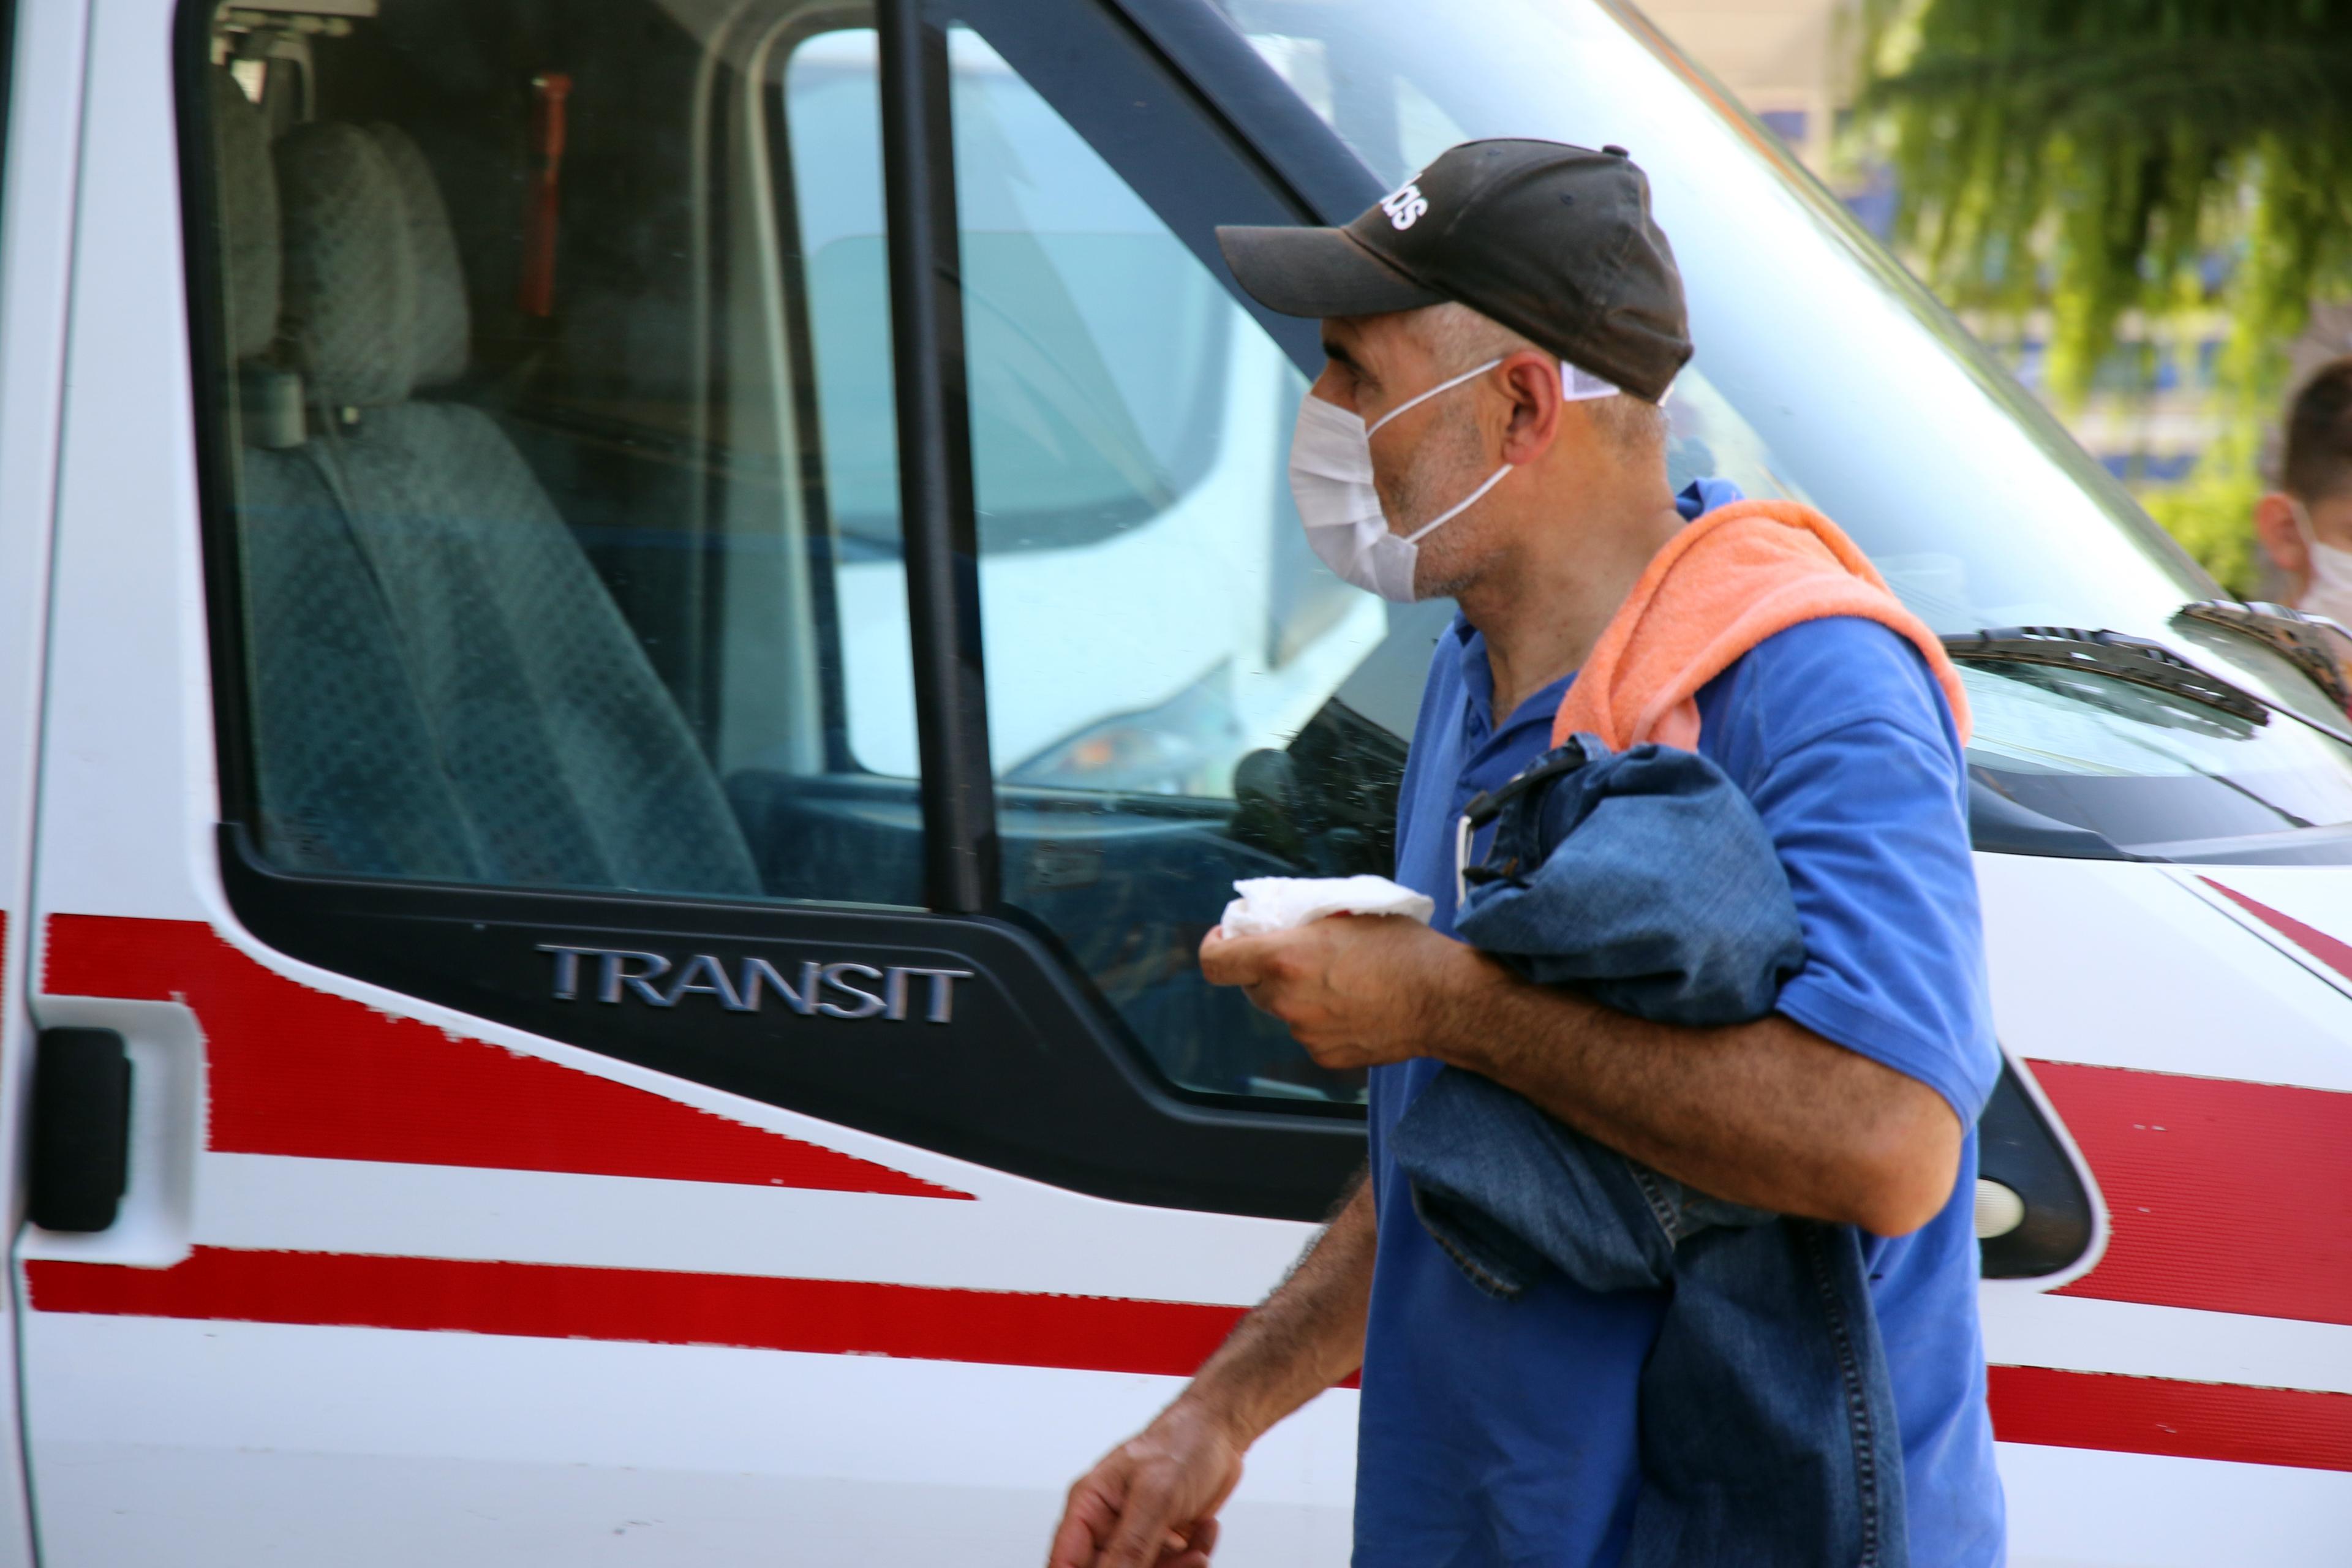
point(1090, 1333)
point(827, 1317)
point(292, 1070)
point(2337, 955)
point(2222, 1195)
point(2296, 1426)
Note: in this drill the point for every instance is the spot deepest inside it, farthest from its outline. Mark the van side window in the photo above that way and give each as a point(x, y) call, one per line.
point(553, 482)
point(1162, 649)
point(515, 384)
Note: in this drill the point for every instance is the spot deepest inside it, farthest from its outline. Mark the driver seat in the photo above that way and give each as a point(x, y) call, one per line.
point(443, 687)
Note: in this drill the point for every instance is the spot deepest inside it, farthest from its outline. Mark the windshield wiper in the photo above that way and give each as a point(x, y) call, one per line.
point(2122, 658)
point(2110, 653)
point(2300, 639)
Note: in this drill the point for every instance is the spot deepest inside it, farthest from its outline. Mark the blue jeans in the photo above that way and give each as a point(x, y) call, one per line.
point(1645, 879)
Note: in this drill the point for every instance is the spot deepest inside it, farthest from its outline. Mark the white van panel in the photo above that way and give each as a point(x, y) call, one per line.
point(2079, 1508)
point(2121, 965)
point(1021, 1236)
point(402, 1449)
point(2026, 1327)
point(127, 792)
point(37, 230)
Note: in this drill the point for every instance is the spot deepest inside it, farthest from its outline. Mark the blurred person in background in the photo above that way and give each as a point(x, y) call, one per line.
point(2306, 525)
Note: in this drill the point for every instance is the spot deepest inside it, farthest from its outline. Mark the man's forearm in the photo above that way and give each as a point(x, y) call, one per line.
point(1305, 1337)
point(1766, 1113)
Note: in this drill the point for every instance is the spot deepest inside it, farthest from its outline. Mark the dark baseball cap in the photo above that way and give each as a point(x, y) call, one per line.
point(1553, 241)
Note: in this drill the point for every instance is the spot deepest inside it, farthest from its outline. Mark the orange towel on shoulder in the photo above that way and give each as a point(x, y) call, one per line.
point(1723, 584)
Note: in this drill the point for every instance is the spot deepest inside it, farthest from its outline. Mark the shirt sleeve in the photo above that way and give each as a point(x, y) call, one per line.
point(1841, 739)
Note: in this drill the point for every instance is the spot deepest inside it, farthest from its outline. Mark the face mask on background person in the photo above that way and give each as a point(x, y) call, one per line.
point(2329, 590)
point(1331, 481)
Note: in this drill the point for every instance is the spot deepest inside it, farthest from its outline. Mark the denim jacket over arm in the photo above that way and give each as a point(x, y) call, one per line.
point(1767, 1437)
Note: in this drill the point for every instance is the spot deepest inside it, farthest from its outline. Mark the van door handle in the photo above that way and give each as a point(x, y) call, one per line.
point(82, 1129)
point(117, 1131)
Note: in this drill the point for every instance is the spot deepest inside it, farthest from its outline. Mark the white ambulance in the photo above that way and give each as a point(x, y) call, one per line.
point(636, 638)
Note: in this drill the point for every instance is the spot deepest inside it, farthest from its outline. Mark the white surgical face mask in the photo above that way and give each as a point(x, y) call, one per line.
point(1331, 481)
point(2329, 592)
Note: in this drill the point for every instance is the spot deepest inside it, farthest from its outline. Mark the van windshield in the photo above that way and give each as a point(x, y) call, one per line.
point(1824, 372)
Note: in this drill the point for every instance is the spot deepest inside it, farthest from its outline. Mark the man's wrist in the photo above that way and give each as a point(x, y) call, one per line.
point(1212, 1408)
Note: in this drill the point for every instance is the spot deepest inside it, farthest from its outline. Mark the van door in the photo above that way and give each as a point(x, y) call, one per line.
point(40, 88)
point(664, 637)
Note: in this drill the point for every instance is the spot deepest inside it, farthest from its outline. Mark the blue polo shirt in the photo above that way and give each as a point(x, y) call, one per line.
point(1501, 1431)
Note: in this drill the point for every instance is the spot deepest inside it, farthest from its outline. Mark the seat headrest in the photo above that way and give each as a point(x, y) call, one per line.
point(374, 300)
point(247, 192)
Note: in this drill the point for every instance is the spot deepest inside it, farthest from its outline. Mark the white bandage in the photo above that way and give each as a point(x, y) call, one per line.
point(1279, 903)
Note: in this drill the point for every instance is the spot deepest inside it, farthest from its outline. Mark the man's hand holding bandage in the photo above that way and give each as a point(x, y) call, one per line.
point(1357, 990)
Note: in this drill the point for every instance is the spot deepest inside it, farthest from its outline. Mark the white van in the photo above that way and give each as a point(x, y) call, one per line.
point(637, 636)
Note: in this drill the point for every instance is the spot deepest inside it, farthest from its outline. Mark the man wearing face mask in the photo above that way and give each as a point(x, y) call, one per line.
point(1500, 334)
point(2306, 525)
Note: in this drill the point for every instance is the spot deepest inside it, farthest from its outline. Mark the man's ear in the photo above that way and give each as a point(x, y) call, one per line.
point(2281, 540)
point(1532, 381)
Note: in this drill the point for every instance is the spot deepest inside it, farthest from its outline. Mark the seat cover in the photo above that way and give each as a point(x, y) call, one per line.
point(443, 687)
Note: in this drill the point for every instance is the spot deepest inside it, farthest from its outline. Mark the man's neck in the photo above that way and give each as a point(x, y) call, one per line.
point(1542, 615)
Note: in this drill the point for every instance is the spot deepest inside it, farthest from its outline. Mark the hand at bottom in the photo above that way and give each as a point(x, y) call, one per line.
point(1152, 1501)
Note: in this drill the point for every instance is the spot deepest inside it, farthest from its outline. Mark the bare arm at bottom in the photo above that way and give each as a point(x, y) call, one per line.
point(1152, 1501)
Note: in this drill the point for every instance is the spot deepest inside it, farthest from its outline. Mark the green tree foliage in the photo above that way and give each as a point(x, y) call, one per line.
point(2100, 156)
point(2099, 152)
